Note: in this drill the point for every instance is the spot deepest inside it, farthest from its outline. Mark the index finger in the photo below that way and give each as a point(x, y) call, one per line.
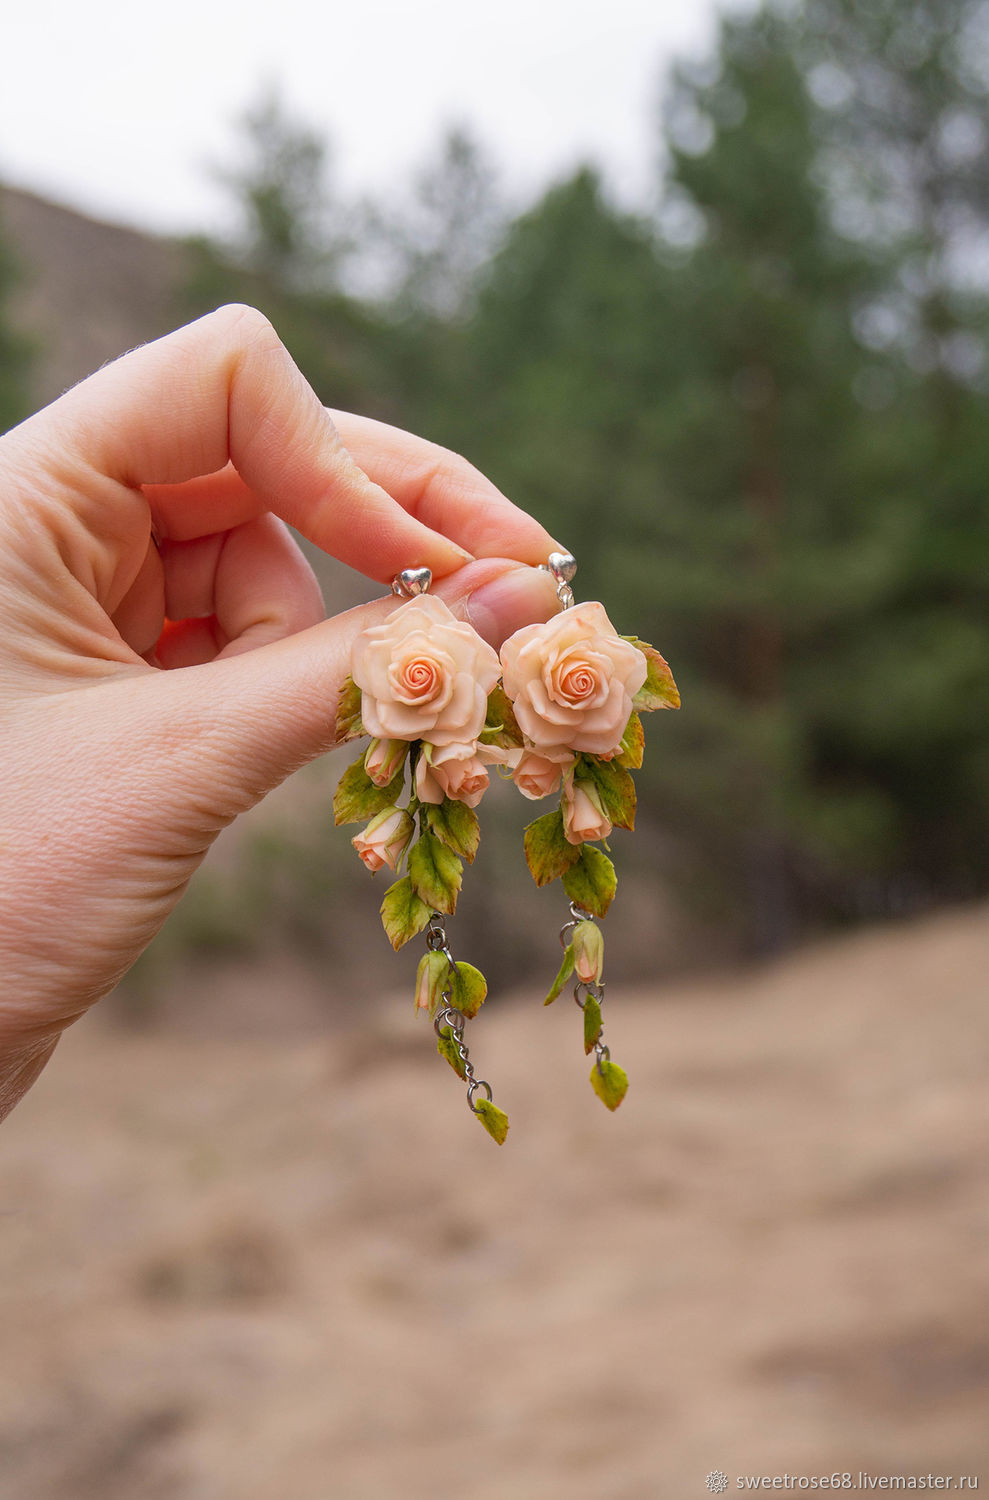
point(445, 491)
point(224, 389)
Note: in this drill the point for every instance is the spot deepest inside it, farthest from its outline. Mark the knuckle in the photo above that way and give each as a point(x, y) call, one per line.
point(449, 461)
point(448, 472)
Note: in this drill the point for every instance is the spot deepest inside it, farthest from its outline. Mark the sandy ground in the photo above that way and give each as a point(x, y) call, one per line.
point(248, 1269)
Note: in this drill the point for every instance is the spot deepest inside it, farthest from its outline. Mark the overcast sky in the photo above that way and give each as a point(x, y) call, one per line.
point(117, 107)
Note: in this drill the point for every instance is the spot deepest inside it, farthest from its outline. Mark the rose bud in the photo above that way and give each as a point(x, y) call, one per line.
point(588, 952)
point(432, 978)
point(384, 760)
point(385, 839)
point(538, 772)
point(583, 816)
point(457, 771)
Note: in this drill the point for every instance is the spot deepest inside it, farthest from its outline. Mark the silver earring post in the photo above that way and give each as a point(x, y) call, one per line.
point(411, 582)
point(563, 567)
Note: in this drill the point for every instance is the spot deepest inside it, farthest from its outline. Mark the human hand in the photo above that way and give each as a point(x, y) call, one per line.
point(150, 693)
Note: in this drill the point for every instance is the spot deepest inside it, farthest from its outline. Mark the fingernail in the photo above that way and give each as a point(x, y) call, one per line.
point(513, 599)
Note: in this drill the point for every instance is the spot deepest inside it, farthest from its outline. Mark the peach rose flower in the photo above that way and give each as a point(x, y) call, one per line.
point(385, 839)
point(457, 771)
point(584, 818)
point(423, 675)
point(537, 773)
point(572, 680)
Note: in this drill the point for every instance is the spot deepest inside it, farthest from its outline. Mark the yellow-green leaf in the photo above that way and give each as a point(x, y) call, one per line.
point(610, 1083)
point(446, 1046)
point(436, 873)
point(494, 1120)
point(592, 881)
point(659, 690)
point(566, 969)
point(615, 788)
point(468, 988)
point(501, 726)
point(348, 719)
point(592, 1023)
point(403, 914)
point(547, 850)
point(357, 797)
point(455, 825)
point(633, 744)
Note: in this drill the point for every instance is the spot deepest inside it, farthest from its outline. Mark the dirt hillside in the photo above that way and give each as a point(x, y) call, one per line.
point(88, 290)
point(248, 1270)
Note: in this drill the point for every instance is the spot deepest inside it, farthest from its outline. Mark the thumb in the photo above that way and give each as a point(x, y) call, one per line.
point(161, 761)
point(242, 724)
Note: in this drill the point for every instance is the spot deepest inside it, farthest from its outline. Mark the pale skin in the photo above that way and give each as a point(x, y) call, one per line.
point(164, 656)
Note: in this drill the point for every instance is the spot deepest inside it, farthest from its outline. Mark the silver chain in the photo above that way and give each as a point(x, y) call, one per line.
point(583, 988)
point(449, 1015)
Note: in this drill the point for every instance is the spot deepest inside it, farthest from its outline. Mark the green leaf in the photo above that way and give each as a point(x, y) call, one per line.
point(468, 988)
point(455, 825)
point(348, 720)
point(659, 690)
point(494, 1120)
point(566, 969)
point(357, 797)
point(592, 881)
point(609, 1082)
point(446, 1046)
point(592, 1023)
point(615, 788)
point(547, 851)
point(436, 873)
point(633, 744)
point(501, 726)
point(403, 914)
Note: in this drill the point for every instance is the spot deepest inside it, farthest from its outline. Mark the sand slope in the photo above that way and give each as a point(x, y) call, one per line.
point(240, 1270)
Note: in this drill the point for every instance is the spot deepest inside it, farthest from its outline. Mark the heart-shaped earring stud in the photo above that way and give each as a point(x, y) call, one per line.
point(411, 582)
point(562, 566)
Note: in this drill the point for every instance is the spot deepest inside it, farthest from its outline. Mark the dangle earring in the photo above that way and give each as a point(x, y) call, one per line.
point(560, 709)
point(423, 685)
point(576, 689)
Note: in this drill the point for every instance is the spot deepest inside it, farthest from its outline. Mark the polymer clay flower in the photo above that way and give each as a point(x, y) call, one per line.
point(588, 952)
point(537, 773)
point(384, 759)
point(584, 819)
point(572, 680)
point(424, 675)
point(385, 839)
point(456, 771)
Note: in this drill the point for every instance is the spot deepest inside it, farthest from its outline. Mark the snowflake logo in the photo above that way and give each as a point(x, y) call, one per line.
point(717, 1482)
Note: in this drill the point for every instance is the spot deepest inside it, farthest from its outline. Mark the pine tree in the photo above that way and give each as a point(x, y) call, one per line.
point(761, 537)
point(903, 91)
point(293, 229)
point(560, 351)
point(436, 239)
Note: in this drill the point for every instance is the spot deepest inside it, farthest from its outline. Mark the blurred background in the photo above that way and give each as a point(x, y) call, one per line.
point(709, 294)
